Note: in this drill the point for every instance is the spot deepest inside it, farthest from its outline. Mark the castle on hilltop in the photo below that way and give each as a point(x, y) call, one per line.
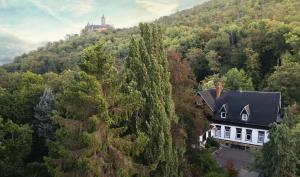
point(98, 28)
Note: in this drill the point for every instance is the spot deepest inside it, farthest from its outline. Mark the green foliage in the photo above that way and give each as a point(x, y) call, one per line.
point(15, 143)
point(92, 113)
point(215, 174)
point(253, 65)
point(20, 94)
point(79, 99)
point(213, 61)
point(146, 69)
point(210, 142)
point(43, 124)
point(115, 123)
point(85, 145)
point(278, 155)
point(97, 61)
point(204, 163)
point(238, 80)
point(289, 86)
point(210, 81)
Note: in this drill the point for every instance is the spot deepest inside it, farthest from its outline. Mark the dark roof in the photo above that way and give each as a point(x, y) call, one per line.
point(263, 107)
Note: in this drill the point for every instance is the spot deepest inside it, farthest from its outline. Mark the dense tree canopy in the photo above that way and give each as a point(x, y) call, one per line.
point(285, 79)
point(15, 142)
point(122, 109)
point(238, 80)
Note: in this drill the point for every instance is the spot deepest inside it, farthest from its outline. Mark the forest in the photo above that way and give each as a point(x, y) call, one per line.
point(121, 103)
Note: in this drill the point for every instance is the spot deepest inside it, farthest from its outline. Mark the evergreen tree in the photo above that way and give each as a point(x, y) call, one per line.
point(147, 72)
point(43, 125)
point(82, 137)
point(93, 139)
point(98, 61)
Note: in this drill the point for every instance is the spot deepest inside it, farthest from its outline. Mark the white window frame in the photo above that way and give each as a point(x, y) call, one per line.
point(249, 130)
point(262, 137)
point(223, 115)
point(244, 117)
point(218, 131)
point(227, 132)
point(236, 134)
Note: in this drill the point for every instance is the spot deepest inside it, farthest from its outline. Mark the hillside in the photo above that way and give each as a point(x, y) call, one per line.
point(186, 30)
point(121, 103)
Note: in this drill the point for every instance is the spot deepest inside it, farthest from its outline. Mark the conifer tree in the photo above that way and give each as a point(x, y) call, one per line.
point(147, 72)
point(43, 125)
point(98, 61)
point(92, 139)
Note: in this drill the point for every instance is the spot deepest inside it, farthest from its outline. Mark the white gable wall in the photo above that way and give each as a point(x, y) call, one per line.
point(254, 140)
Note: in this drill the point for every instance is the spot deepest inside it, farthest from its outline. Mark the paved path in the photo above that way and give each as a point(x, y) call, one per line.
point(242, 160)
point(246, 173)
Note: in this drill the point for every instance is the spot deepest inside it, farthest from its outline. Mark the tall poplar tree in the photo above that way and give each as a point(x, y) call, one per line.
point(147, 73)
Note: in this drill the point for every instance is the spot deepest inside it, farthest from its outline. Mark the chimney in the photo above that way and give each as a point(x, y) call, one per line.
point(219, 88)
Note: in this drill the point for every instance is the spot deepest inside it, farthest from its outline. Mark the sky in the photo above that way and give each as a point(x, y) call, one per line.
point(26, 24)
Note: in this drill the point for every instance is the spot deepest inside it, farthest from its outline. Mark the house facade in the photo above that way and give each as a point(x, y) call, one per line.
point(239, 118)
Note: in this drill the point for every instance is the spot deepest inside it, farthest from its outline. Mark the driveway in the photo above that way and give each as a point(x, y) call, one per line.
point(242, 160)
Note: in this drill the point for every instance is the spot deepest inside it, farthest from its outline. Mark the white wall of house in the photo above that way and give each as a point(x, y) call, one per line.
point(233, 137)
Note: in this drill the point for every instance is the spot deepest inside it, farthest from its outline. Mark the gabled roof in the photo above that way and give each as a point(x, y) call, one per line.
point(224, 107)
point(247, 109)
point(264, 107)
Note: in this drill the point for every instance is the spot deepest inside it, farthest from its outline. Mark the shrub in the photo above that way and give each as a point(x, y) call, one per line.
point(210, 142)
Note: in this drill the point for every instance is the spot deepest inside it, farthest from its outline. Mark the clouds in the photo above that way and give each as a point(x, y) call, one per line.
point(11, 46)
point(79, 7)
point(159, 8)
point(70, 7)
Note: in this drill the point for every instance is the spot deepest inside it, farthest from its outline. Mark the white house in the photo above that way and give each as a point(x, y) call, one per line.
point(240, 118)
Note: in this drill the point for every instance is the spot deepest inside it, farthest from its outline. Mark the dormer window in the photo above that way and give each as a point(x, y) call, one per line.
point(223, 115)
point(245, 113)
point(244, 117)
point(223, 111)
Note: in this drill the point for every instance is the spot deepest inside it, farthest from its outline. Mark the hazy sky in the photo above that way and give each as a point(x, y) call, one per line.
point(26, 24)
point(47, 20)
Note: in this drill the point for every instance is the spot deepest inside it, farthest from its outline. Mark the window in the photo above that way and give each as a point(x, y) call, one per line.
point(223, 115)
point(261, 137)
point(218, 131)
point(238, 134)
point(248, 135)
point(204, 136)
point(223, 111)
point(245, 113)
point(227, 132)
point(244, 117)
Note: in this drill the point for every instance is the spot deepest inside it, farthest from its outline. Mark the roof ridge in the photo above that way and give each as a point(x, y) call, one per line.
point(243, 91)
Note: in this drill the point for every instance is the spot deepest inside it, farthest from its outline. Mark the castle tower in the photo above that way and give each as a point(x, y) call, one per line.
point(102, 20)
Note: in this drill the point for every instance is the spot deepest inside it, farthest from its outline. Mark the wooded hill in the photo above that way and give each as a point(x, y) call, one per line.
point(90, 106)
